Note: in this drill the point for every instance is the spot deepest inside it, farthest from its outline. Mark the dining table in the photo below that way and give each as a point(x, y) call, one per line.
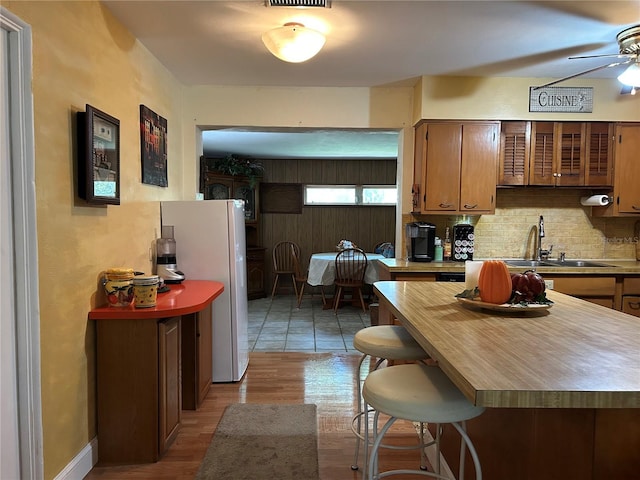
point(322, 268)
point(560, 381)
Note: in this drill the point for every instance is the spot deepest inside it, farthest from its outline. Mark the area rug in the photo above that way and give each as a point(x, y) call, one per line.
point(270, 442)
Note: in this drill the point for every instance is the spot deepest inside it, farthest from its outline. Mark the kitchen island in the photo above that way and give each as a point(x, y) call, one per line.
point(561, 385)
point(616, 285)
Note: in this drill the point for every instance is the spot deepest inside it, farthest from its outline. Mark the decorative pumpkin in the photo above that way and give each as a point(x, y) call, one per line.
point(527, 286)
point(494, 282)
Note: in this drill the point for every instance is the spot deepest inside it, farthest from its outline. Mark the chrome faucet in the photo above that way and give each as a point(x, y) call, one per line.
point(542, 254)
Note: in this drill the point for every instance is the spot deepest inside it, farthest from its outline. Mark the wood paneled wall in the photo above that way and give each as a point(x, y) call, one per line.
point(319, 229)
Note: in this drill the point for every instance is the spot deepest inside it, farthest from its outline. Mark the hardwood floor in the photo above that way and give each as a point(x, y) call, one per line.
point(326, 379)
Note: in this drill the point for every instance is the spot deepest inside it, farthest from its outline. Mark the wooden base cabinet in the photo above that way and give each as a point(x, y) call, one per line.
point(197, 352)
point(170, 398)
point(550, 443)
point(139, 398)
point(152, 362)
point(255, 273)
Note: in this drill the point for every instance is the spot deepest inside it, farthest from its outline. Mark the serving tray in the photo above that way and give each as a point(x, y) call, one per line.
point(504, 307)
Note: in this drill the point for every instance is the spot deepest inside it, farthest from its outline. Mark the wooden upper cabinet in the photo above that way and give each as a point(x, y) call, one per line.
point(567, 154)
point(541, 165)
point(557, 153)
point(599, 154)
point(458, 166)
point(627, 147)
point(224, 187)
point(217, 187)
point(441, 181)
point(515, 146)
point(480, 148)
point(571, 154)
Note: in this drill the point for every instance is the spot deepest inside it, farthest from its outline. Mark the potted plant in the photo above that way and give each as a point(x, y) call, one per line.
point(235, 166)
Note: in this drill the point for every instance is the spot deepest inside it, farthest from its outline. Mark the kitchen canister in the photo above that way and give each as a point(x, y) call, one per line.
point(118, 286)
point(145, 290)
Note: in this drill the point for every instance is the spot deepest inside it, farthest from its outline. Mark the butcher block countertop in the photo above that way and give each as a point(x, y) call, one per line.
point(573, 355)
point(394, 265)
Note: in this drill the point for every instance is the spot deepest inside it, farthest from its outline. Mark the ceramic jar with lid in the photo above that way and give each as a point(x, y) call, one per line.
point(118, 285)
point(145, 289)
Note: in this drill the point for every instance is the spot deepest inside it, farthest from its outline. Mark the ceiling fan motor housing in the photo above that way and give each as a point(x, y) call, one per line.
point(629, 40)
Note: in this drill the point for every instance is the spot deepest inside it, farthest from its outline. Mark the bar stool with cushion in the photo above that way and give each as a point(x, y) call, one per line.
point(384, 342)
point(418, 393)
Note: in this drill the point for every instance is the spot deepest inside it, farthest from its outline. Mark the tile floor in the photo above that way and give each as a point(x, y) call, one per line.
point(279, 326)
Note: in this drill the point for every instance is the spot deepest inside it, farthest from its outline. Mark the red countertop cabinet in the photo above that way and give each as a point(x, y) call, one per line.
point(152, 363)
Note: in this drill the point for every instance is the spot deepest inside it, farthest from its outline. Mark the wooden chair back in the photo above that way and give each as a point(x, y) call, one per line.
point(282, 258)
point(297, 270)
point(351, 265)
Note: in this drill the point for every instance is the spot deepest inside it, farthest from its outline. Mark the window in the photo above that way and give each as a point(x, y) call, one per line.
point(350, 195)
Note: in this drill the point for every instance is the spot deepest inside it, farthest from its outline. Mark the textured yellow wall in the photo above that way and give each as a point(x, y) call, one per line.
point(82, 55)
point(505, 98)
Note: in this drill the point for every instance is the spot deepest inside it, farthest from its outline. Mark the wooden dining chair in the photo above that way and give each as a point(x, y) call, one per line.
point(301, 277)
point(351, 265)
point(283, 264)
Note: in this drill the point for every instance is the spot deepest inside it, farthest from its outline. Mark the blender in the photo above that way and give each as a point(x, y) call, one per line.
point(166, 267)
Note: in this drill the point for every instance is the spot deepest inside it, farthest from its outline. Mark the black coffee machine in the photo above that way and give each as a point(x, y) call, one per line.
point(421, 244)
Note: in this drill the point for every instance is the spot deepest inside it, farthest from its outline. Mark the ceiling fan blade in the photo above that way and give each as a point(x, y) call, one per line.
point(591, 70)
point(616, 55)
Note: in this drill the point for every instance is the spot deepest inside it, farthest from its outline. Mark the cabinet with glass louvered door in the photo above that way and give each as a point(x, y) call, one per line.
point(564, 154)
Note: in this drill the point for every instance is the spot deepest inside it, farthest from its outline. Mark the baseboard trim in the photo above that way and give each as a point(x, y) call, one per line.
point(81, 465)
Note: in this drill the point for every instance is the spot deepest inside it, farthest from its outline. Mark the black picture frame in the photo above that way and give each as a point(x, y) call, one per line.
point(153, 146)
point(98, 157)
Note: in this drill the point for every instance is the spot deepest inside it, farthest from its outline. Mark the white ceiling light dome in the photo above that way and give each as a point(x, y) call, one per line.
point(293, 42)
point(631, 76)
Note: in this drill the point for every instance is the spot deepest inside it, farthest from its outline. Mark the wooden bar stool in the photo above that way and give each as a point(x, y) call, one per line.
point(384, 342)
point(418, 393)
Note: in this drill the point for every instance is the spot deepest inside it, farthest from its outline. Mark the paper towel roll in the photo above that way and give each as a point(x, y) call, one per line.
point(595, 201)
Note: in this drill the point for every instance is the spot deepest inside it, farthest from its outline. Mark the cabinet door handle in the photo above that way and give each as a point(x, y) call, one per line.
point(446, 205)
point(469, 207)
point(635, 207)
point(634, 305)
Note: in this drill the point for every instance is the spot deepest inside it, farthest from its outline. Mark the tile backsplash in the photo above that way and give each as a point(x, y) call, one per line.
point(569, 227)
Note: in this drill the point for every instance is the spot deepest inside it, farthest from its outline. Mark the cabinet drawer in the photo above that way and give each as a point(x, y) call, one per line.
point(631, 286)
point(605, 302)
point(631, 305)
point(410, 277)
point(580, 285)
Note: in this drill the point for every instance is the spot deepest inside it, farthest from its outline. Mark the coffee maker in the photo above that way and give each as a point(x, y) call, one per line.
point(420, 238)
point(166, 267)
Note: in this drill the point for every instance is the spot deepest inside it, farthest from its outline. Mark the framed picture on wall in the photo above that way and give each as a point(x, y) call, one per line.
point(153, 143)
point(98, 157)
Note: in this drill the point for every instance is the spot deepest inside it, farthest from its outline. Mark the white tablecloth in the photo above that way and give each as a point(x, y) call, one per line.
point(322, 268)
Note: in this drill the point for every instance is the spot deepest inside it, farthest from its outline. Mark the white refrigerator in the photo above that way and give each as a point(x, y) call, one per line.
point(210, 245)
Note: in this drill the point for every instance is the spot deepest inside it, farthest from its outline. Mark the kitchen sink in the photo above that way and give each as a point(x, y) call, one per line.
point(576, 263)
point(555, 263)
point(528, 263)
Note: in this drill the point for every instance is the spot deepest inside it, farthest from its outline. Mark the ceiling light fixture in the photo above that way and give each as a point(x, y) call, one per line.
point(631, 76)
point(293, 42)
